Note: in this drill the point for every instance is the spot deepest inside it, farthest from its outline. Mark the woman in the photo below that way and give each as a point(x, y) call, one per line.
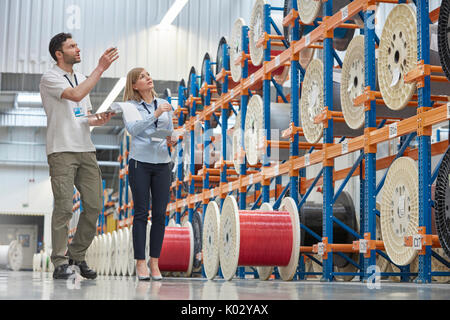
point(149, 168)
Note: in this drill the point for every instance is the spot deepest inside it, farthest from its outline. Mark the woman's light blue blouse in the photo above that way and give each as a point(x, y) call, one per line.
point(143, 148)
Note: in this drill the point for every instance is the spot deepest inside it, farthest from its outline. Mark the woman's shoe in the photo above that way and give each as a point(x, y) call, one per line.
point(146, 278)
point(157, 278)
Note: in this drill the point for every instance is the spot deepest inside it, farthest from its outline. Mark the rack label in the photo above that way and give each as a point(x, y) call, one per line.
point(307, 159)
point(230, 187)
point(251, 179)
point(320, 248)
point(345, 147)
point(417, 242)
point(393, 130)
point(448, 110)
point(308, 39)
point(252, 79)
point(231, 93)
point(344, 13)
point(277, 170)
point(212, 193)
point(277, 61)
point(363, 246)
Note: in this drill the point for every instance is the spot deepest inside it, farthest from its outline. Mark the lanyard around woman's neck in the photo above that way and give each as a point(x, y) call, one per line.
point(156, 107)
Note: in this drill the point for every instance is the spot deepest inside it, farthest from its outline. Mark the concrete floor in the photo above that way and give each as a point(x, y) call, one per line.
point(41, 286)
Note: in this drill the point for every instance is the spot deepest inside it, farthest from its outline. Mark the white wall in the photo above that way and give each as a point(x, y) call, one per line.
point(26, 190)
point(26, 27)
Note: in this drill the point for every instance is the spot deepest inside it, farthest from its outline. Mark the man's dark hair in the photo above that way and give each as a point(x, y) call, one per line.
point(57, 42)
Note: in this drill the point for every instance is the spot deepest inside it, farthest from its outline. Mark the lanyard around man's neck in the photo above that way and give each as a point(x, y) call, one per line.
point(70, 82)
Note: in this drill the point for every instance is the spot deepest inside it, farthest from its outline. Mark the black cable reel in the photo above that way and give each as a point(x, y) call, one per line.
point(442, 203)
point(444, 36)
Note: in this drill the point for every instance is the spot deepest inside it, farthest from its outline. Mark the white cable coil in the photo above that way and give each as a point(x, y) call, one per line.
point(256, 32)
point(11, 256)
point(400, 210)
point(398, 56)
point(254, 139)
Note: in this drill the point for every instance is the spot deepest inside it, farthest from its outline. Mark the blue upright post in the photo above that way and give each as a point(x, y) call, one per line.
point(121, 181)
point(370, 152)
point(295, 117)
point(127, 177)
point(192, 144)
point(424, 140)
point(266, 99)
point(206, 136)
point(224, 121)
point(243, 110)
point(181, 102)
point(328, 189)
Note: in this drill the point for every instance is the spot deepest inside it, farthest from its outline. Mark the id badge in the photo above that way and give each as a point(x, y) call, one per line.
point(78, 111)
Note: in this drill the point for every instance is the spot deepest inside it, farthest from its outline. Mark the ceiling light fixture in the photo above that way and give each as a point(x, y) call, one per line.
point(173, 12)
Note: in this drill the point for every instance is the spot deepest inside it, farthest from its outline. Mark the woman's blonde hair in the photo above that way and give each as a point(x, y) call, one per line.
point(130, 93)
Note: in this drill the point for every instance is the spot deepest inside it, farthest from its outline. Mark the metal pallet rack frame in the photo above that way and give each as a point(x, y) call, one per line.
point(375, 133)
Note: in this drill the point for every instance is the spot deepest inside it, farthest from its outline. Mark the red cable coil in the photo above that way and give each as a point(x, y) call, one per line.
point(175, 252)
point(265, 238)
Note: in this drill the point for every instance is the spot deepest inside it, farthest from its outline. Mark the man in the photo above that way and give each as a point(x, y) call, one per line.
point(71, 153)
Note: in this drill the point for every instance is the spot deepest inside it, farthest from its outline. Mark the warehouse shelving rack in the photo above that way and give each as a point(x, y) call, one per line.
point(375, 133)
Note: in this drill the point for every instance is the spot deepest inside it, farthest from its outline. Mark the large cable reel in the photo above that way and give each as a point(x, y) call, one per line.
point(256, 31)
point(309, 10)
point(444, 36)
point(397, 56)
point(307, 54)
point(442, 204)
point(400, 210)
point(311, 215)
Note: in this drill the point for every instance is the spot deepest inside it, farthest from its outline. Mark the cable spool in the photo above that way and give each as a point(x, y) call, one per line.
point(259, 238)
point(353, 85)
point(254, 129)
point(237, 146)
point(312, 104)
point(124, 254)
point(131, 262)
point(172, 223)
point(220, 65)
point(236, 51)
point(442, 204)
point(400, 210)
point(177, 253)
point(311, 215)
point(198, 158)
point(444, 36)
point(113, 254)
point(108, 248)
point(309, 10)
point(257, 31)
point(307, 54)
point(119, 244)
point(167, 94)
point(103, 254)
point(11, 256)
point(99, 255)
point(211, 233)
point(197, 229)
point(196, 86)
point(91, 258)
point(398, 55)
